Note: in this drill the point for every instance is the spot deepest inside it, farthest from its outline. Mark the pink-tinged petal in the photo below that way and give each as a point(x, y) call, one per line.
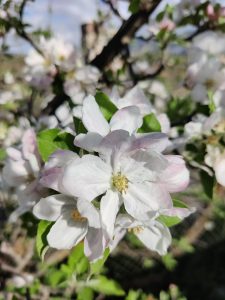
point(150, 141)
point(136, 97)
point(29, 143)
point(109, 207)
point(127, 118)
point(89, 211)
point(94, 244)
point(53, 169)
point(89, 141)
point(66, 232)
point(178, 212)
point(87, 177)
point(175, 177)
point(155, 237)
point(219, 168)
point(92, 117)
point(164, 123)
point(50, 208)
point(141, 198)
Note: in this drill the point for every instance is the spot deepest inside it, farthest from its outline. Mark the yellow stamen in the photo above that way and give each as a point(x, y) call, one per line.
point(136, 230)
point(76, 216)
point(120, 182)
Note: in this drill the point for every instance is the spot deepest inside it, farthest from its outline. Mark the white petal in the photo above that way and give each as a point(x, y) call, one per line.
point(66, 232)
point(89, 141)
point(151, 141)
point(88, 211)
point(220, 170)
point(175, 177)
point(53, 169)
point(142, 198)
point(92, 117)
point(134, 171)
point(29, 143)
point(109, 208)
point(137, 98)
point(152, 160)
point(178, 212)
point(156, 237)
point(50, 208)
point(128, 118)
point(15, 172)
point(94, 244)
point(164, 123)
point(86, 178)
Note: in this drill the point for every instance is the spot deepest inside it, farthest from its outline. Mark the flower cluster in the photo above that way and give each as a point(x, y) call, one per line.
point(120, 181)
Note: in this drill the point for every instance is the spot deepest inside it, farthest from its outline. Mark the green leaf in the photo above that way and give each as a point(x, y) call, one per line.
point(105, 104)
point(96, 267)
point(133, 295)
point(41, 239)
point(2, 154)
point(150, 124)
point(106, 286)
point(134, 6)
point(168, 220)
point(212, 106)
point(79, 126)
point(85, 294)
point(207, 183)
point(77, 261)
point(51, 140)
point(179, 203)
point(169, 261)
point(54, 277)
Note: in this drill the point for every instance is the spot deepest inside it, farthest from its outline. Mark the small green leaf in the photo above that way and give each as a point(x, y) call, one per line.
point(168, 220)
point(77, 261)
point(79, 126)
point(207, 183)
point(105, 104)
point(150, 124)
point(85, 294)
point(51, 140)
point(179, 203)
point(169, 261)
point(41, 239)
point(134, 6)
point(2, 154)
point(96, 267)
point(106, 286)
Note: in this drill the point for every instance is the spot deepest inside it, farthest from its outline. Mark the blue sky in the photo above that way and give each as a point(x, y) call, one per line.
point(65, 18)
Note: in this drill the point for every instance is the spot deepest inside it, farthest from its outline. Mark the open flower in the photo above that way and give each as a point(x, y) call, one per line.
point(127, 174)
point(154, 235)
point(75, 221)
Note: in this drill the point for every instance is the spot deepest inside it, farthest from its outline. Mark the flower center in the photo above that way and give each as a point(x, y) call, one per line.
point(136, 230)
point(120, 182)
point(76, 216)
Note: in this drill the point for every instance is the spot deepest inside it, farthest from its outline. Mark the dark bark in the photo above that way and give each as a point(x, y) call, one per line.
point(124, 35)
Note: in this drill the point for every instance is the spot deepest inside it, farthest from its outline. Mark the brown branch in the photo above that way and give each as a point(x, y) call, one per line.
point(124, 35)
